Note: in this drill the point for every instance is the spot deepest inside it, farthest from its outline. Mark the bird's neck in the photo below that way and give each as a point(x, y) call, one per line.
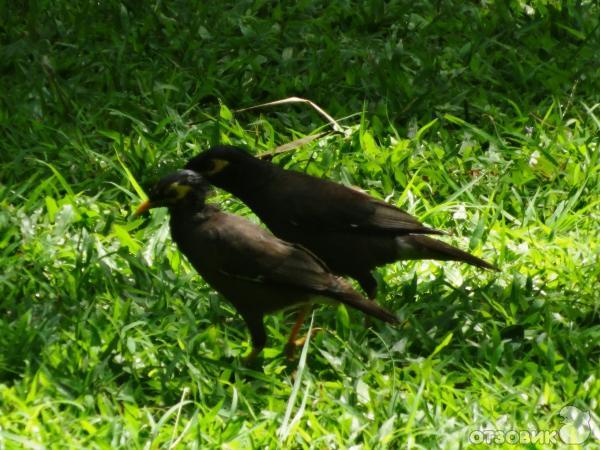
point(248, 179)
point(192, 204)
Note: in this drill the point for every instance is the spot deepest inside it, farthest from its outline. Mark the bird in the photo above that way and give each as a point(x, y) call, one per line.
point(351, 231)
point(256, 271)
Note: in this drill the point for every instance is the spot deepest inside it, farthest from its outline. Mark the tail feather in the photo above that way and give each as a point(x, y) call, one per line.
point(423, 247)
point(344, 292)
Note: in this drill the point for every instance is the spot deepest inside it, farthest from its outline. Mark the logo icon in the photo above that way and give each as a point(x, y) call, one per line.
point(576, 428)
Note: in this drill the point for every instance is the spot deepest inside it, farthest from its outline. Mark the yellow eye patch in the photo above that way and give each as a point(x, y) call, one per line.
point(218, 165)
point(180, 189)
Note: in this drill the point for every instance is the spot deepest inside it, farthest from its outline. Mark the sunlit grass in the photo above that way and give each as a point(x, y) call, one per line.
point(109, 339)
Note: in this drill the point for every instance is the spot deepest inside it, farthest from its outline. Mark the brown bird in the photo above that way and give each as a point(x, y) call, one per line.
point(349, 230)
point(257, 272)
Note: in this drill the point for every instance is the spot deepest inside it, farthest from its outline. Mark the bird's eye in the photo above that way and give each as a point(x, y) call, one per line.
point(215, 166)
point(177, 191)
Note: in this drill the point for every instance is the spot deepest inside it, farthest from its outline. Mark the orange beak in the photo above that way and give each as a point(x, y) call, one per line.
point(143, 208)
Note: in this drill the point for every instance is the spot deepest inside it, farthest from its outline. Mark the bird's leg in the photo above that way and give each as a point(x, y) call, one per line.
point(368, 283)
point(291, 345)
point(251, 357)
point(257, 335)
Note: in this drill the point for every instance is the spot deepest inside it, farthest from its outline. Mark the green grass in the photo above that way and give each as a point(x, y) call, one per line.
point(480, 120)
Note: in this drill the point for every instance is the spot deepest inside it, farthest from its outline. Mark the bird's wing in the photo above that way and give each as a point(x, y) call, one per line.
point(314, 203)
point(245, 250)
point(240, 249)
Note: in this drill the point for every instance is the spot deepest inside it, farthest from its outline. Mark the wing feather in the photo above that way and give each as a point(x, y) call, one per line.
point(246, 250)
point(337, 208)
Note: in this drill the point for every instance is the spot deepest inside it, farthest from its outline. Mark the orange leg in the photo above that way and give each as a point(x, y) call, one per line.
point(291, 343)
point(299, 321)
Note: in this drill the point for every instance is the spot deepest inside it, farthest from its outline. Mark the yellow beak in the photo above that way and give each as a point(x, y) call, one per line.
point(143, 208)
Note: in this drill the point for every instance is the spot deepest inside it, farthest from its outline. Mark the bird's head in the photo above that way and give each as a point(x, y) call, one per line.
point(226, 165)
point(181, 188)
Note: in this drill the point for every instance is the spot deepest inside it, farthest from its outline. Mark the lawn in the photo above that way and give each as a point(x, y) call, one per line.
point(482, 119)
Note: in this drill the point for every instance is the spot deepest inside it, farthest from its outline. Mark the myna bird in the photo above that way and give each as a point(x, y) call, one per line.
point(350, 231)
point(257, 272)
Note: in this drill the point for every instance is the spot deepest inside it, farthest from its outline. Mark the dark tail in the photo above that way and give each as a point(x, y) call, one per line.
point(423, 247)
point(344, 292)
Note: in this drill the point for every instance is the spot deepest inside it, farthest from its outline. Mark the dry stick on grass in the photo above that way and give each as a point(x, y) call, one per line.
point(292, 145)
point(304, 140)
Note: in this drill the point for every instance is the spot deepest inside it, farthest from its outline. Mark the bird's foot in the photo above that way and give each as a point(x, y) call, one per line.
point(291, 346)
point(250, 359)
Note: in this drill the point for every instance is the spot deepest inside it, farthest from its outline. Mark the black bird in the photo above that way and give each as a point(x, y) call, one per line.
point(257, 272)
point(350, 231)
